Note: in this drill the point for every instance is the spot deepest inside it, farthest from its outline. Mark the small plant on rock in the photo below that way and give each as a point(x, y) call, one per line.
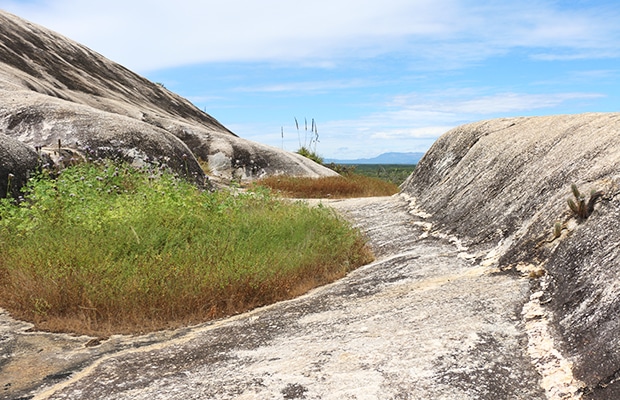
point(557, 230)
point(308, 148)
point(579, 206)
point(304, 151)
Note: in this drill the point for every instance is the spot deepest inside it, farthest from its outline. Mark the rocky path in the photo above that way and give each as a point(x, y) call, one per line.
point(422, 322)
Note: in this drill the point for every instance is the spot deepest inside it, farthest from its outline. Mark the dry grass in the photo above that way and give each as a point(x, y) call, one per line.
point(351, 185)
point(104, 250)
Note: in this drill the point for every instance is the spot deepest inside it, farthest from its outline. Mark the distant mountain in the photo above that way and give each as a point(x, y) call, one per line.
point(385, 158)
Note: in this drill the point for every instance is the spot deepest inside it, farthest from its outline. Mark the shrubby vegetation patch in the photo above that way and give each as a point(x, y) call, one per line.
point(105, 248)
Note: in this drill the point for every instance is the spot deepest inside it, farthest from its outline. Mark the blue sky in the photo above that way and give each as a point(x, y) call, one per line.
point(376, 75)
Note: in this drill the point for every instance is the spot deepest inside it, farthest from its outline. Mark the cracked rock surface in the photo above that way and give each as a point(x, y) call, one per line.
point(422, 322)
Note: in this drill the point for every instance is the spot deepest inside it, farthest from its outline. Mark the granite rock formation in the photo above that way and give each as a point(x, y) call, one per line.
point(53, 90)
point(487, 285)
point(502, 186)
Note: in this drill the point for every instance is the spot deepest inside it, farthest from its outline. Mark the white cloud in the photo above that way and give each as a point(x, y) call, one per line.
point(504, 103)
point(471, 104)
point(413, 123)
point(160, 33)
point(308, 86)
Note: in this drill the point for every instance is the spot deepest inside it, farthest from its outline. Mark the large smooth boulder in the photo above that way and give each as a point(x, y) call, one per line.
point(43, 121)
point(52, 88)
point(501, 187)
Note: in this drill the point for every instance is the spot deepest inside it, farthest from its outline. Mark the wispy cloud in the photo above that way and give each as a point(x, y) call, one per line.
point(160, 33)
point(504, 103)
point(466, 103)
point(414, 122)
point(307, 87)
point(428, 132)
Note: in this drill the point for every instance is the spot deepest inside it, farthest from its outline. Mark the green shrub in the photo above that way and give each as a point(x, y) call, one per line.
point(304, 151)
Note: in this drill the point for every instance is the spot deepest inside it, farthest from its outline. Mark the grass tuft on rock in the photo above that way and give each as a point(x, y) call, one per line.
point(109, 249)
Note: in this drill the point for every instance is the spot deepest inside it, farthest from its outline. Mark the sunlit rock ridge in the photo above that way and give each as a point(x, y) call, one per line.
point(54, 90)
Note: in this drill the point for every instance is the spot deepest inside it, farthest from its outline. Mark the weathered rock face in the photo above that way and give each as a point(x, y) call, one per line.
point(501, 186)
point(18, 160)
point(52, 88)
point(39, 120)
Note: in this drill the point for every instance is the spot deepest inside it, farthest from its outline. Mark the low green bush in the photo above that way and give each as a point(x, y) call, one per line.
point(312, 155)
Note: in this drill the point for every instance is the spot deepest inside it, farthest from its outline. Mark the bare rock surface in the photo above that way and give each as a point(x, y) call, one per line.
point(502, 186)
point(18, 161)
point(422, 322)
point(52, 89)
